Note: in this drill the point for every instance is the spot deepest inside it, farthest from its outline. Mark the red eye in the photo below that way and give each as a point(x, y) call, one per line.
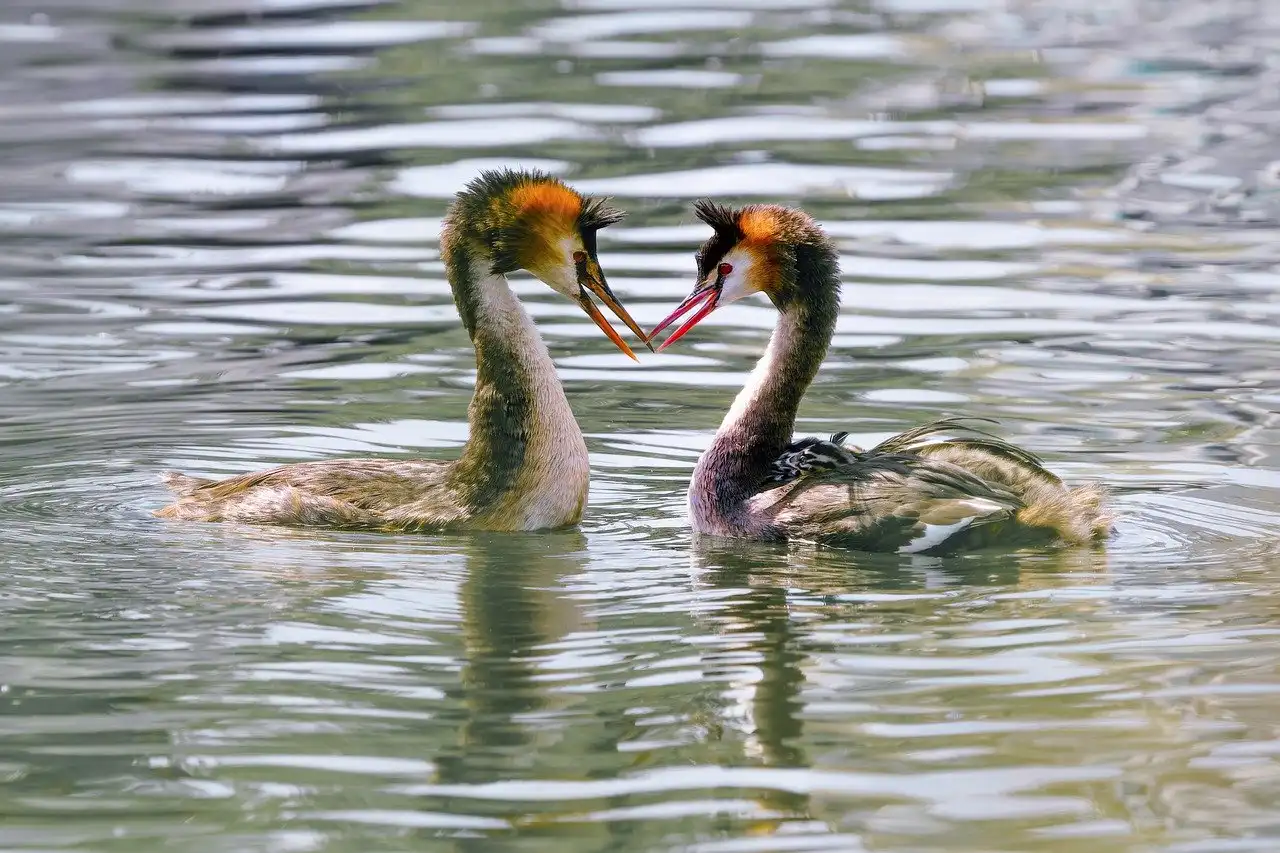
point(725, 269)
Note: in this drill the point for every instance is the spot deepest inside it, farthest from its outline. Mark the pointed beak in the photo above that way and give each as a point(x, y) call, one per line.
point(707, 294)
point(591, 281)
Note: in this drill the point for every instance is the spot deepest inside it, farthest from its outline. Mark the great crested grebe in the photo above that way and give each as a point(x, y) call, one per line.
point(918, 492)
point(524, 466)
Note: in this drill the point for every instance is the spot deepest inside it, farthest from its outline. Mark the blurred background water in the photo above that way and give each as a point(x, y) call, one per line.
point(218, 251)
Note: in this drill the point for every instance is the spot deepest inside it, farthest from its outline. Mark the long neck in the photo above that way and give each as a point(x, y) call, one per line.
point(520, 421)
point(760, 423)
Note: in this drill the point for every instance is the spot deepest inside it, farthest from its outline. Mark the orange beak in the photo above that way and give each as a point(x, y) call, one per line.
point(591, 280)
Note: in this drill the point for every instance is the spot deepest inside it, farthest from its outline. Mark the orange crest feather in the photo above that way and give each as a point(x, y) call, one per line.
point(760, 225)
point(549, 200)
point(761, 228)
point(550, 210)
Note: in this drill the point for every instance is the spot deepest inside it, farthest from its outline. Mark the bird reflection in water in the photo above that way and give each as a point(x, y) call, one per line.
point(513, 606)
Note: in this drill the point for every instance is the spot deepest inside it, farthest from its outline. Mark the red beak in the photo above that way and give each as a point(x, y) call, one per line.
point(710, 293)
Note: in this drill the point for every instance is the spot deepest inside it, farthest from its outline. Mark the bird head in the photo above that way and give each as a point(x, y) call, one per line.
point(753, 249)
point(532, 221)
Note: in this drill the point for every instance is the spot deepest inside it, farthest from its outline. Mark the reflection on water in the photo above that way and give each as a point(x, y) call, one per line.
point(220, 228)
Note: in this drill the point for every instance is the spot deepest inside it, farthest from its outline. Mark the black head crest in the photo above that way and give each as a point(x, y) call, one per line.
point(598, 213)
point(724, 222)
point(721, 218)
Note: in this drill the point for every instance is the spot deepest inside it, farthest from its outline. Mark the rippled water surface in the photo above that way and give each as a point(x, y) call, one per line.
point(218, 251)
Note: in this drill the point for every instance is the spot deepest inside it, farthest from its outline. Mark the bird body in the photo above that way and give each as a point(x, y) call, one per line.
point(524, 466)
point(942, 487)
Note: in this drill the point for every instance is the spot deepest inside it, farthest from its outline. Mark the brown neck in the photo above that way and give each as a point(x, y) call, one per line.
point(513, 372)
point(760, 423)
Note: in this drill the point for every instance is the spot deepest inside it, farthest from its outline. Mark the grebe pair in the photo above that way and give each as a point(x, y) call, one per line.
point(525, 467)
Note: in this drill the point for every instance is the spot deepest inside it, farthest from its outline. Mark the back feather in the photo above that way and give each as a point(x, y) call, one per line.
point(923, 490)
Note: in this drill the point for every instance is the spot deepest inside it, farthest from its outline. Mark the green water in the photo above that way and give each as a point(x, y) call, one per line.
point(218, 251)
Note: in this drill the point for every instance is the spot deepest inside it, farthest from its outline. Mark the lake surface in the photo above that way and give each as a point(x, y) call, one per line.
point(218, 251)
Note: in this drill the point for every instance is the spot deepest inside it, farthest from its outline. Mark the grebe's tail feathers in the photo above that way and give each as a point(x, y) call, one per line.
point(183, 484)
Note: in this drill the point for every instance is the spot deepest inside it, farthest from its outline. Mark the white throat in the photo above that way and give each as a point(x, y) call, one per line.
point(507, 321)
point(749, 396)
point(554, 478)
point(704, 506)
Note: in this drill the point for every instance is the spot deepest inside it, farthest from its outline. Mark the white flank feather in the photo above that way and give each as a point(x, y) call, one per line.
point(935, 534)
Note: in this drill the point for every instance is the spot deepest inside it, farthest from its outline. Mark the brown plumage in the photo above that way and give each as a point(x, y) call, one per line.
point(524, 466)
point(943, 487)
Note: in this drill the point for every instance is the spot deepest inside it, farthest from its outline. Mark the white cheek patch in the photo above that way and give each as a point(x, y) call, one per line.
point(737, 283)
point(562, 275)
point(567, 247)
